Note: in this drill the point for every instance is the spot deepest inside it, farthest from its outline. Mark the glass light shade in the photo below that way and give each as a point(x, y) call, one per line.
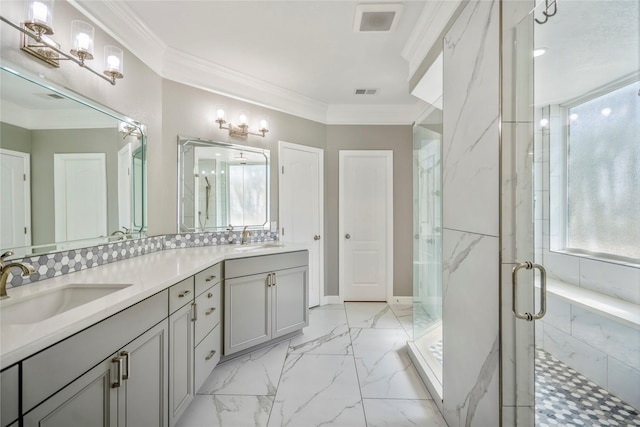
point(40, 16)
point(264, 125)
point(242, 119)
point(220, 114)
point(113, 62)
point(82, 35)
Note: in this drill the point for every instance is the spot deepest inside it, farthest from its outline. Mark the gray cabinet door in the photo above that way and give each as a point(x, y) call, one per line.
point(89, 401)
point(9, 392)
point(247, 312)
point(181, 346)
point(290, 294)
point(144, 393)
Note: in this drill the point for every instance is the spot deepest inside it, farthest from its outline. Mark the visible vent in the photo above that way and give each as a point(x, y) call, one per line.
point(366, 91)
point(378, 17)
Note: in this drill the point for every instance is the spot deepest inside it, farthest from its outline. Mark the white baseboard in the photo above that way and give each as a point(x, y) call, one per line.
point(401, 300)
point(331, 299)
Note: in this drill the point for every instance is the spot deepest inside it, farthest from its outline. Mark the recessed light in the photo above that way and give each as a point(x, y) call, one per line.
point(573, 117)
point(606, 112)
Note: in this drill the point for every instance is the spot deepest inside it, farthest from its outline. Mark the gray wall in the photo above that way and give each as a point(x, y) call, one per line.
point(400, 140)
point(15, 138)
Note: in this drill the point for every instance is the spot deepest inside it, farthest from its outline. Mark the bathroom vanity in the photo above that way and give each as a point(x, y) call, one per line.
point(138, 355)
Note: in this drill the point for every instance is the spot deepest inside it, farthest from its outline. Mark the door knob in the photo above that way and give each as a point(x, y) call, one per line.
point(347, 236)
point(316, 237)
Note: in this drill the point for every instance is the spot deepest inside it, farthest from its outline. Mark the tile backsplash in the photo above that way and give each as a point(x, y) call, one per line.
point(63, 262)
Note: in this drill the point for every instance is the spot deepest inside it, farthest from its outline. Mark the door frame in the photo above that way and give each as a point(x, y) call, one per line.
point(282, 145)
point(388, 155)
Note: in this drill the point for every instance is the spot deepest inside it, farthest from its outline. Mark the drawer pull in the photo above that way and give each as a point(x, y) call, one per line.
point(183, 294)
point(211, 310)
point(213, 352)
point(210, 278)
point(127, 365)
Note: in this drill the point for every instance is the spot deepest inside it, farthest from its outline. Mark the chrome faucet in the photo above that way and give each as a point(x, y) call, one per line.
point(245, 233)
point(5, 269)
point(124, 235)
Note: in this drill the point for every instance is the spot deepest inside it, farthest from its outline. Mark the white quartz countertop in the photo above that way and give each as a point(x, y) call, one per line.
point(147, 275)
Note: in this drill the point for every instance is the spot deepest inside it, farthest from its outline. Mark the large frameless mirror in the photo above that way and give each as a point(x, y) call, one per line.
point(221, 186)
point(72, 171)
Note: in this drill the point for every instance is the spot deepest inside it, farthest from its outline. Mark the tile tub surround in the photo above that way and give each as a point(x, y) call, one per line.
point(146, 274)
point(63, 262)
point(346, 369)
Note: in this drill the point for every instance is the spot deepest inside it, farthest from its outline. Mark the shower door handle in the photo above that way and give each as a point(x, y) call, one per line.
point(543, 291)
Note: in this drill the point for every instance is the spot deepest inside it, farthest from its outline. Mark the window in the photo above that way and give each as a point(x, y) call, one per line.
point(603, 175)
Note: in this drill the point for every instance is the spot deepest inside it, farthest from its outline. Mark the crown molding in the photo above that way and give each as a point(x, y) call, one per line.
point(120, 22)
point(432, 21)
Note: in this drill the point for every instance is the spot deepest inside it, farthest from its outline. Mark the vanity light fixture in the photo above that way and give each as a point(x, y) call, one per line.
point(131, 129)
point(35, 40)
point(242, 129)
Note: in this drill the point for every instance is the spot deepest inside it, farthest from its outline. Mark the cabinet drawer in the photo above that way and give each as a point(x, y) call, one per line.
point(209, 307)
point(9, 391)
point(265, 263)
point(180, 294)
point(207, 356)
point(207, 278)
point(50, 370)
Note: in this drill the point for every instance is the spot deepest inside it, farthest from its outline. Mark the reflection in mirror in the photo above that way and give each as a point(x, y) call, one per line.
point(72, 173)
point(221, 185)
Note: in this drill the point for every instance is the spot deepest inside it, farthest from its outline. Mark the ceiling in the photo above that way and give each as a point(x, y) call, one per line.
point(301, 57)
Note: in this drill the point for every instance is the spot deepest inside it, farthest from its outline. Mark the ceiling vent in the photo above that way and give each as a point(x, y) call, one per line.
point(366, 91)
point(380, 17)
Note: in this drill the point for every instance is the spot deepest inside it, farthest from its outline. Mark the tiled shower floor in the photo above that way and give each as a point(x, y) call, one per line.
point(566, 398)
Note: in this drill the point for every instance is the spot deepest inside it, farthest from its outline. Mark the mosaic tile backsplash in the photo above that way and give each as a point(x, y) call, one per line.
point(59, 263)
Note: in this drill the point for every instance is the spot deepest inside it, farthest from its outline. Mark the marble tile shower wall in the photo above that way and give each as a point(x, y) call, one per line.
point(605, 351)
point(470, 182)
point(64, 262)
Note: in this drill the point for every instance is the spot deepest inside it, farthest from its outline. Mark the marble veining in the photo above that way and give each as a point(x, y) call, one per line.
point(373, 384)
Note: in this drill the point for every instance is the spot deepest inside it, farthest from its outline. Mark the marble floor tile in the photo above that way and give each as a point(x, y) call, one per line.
point(254, 374)
point(404, 314)
point(227, 411)
point(370, 315)
point(402, 413)
point(327, 333)
point(389, 375)
point(367, 341)
point(318, 390)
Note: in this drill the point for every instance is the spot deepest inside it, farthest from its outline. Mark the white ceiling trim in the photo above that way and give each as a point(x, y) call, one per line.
point(183, 68)
point(187, 69)
point(434, 18)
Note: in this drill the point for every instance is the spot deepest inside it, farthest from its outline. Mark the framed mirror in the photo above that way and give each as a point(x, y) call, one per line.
point(72, 171)
point(221, 185)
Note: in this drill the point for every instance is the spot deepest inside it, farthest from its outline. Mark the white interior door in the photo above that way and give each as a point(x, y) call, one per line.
point(80, 195)
point(366, 225)
point(15, 186)
point(301, 207)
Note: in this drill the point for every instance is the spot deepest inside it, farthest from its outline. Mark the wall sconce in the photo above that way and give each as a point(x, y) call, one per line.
point(35, 41)
point(242, 129)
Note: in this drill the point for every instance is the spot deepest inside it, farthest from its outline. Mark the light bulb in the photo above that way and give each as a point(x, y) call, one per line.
point(573, 117)
point(243, 119)
point(544, 123)
point(220, 113)
point(606, 112)
point(264, 125)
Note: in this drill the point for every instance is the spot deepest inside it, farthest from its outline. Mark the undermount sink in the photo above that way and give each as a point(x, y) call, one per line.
point(255, 246)
point(42, 306)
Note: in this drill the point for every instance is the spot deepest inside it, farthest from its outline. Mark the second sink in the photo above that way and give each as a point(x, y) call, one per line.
point(42, 306)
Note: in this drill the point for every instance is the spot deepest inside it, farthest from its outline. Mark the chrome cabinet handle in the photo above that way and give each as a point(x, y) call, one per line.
point(316, 237)
point(211, 310)
point(127, 373)
point(347, 236)
point(211, 354)
point(118, 361)
point(210, 278)
point(183, 294)
point(543, 292)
